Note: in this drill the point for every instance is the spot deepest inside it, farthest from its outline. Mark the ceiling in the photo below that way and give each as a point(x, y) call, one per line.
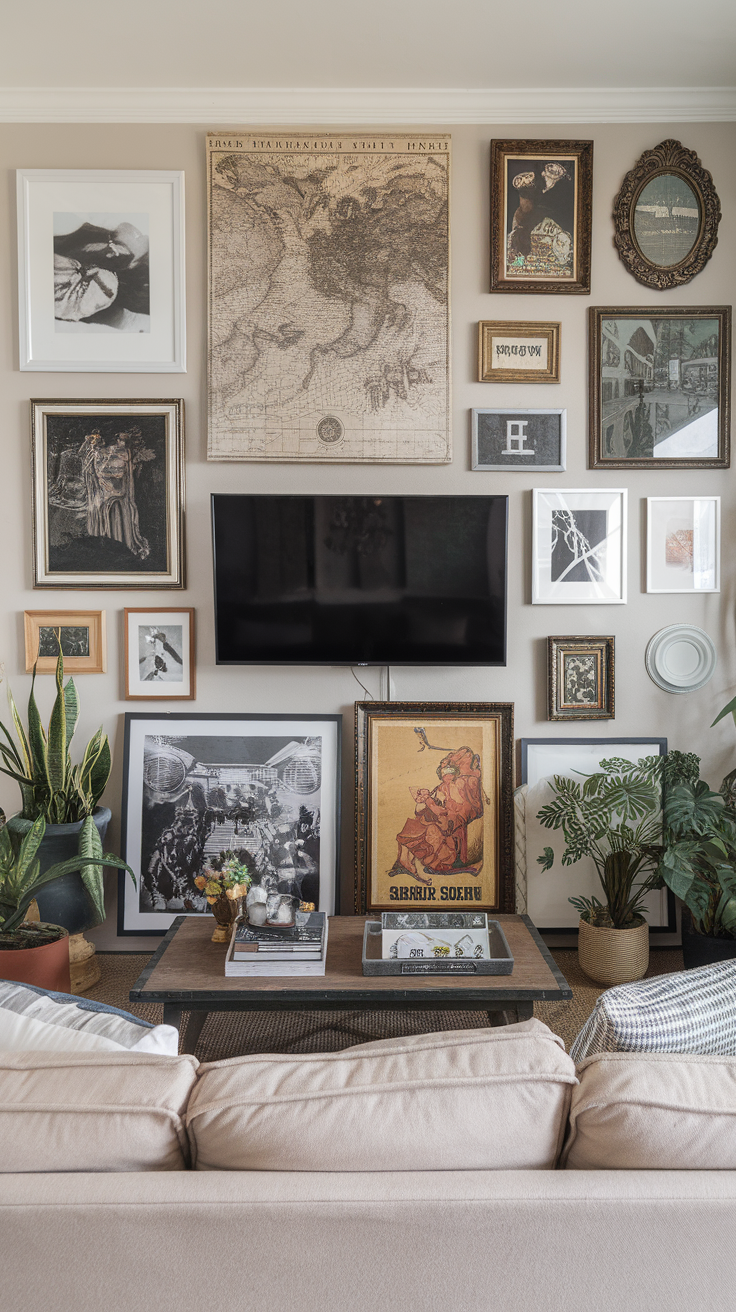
point(386, 43)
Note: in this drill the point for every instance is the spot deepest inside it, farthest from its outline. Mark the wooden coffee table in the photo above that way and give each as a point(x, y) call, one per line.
point(187, 973)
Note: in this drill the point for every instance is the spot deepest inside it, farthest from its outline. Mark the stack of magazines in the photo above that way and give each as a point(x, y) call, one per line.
point(298, 949)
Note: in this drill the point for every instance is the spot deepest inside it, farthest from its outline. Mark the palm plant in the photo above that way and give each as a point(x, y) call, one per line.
point(39, 760)
point(21, 880)
point(615, 818)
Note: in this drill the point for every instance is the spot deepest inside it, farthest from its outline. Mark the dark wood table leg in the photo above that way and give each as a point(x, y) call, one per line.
point(511, 1014)
point(192, 1030)
point(172, 1014)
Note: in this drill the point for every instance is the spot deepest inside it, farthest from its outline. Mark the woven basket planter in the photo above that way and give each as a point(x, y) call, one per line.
point(613, 956)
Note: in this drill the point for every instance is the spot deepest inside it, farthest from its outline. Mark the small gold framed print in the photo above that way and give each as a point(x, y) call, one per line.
point(518, 352)
point(580, 678)
point(80, 634)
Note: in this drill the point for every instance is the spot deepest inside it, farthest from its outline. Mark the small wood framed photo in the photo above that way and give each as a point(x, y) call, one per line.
point(541, 208)
point(519, 439)
point(683, 544)
point(580, 678)
point(159, 654)
point(518, 352)
point(81, 635)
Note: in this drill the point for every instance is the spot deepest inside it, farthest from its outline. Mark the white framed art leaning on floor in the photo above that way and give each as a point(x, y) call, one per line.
point(101, 271)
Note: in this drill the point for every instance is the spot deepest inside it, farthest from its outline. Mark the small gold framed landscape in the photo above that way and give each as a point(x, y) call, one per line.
point(518, 352)
point(434, 821)
point(541, 208)
point(81, 634)
point(580, 678)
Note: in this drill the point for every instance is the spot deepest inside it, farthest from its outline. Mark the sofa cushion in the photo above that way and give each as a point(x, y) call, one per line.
point(690, 1011)
point(35, 1020)
point(93, 1111)
point(658, 1112)
point(469, 1099)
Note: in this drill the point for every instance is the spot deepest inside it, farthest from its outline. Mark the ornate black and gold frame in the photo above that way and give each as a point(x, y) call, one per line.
point(540, 189)
point(580, 678)
point(391, 777)
point(668, 158)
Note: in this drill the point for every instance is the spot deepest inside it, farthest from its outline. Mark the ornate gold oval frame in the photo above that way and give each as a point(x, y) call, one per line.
point(668, 157)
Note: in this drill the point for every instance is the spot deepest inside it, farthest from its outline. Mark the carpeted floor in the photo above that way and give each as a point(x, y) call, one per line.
point(232, 1034)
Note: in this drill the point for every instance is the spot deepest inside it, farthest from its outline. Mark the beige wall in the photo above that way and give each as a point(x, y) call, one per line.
point(641, 708)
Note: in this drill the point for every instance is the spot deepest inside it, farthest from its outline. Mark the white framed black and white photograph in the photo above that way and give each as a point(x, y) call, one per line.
point(108, 494)
point(101, 275)
point(265, 788)
point(548, 890)
point(683, 544)
point(579, 546)
point(509, 439)
point(159, 654)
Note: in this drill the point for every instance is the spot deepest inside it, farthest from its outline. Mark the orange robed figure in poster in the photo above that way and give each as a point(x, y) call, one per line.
point(434, 841)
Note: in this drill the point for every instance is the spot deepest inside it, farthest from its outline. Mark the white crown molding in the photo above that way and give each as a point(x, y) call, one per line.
point(229, 107)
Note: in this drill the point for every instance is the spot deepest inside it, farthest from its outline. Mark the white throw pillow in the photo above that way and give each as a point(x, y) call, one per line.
point(35, 1020)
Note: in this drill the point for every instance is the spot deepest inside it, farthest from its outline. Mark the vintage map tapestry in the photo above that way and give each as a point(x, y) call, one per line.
point(329, 298)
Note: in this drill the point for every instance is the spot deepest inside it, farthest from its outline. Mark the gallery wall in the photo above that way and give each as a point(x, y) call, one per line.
point(641, 707)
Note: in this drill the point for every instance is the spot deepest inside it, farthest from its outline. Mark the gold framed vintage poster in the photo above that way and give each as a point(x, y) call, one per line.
point(518, 352)
point(81, 634)
point(434, 825)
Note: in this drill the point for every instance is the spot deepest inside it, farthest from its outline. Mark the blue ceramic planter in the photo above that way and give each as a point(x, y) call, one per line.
point(64, 901)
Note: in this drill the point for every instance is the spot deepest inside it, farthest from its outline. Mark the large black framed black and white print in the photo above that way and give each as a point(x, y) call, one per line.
point(579, 546)
point(108, 494)
point(265, 787)
point(519, 439)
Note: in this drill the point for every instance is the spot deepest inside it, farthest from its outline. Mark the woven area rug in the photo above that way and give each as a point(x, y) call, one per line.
point(235, 1034)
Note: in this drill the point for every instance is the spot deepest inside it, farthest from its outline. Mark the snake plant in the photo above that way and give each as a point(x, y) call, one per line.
point(20, 877)
point(39, 760)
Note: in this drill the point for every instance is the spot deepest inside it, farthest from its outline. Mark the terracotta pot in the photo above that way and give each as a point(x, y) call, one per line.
point(64, 901)
point(613, 956)
point(47, 966)
point(703, 949)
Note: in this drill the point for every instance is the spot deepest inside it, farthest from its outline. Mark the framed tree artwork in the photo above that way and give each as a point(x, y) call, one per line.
point(434, 825)
point(579, 546)
point(541, 216)
point(108, 494)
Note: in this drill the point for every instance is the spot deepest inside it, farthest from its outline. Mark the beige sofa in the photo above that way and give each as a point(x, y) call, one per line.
point(472, 1170)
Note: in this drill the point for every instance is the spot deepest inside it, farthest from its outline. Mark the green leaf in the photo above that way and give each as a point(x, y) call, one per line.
point(57, 740)
point(30, 845)
point(90, 846)
point(547, 859)
point(20, 733)
point(71, 709)
point(727, 710)
point(39, 771)
point(100, 772)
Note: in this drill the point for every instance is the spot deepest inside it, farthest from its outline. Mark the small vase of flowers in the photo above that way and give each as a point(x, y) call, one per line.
point(225, 883)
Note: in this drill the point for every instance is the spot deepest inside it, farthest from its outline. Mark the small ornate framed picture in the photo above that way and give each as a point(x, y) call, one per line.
point(579, 546)
point(518, 352)
point(580, 678)
point(541, 207)
point(159, 654)
point(519, 439)
point(683, 544)
point(80, 634)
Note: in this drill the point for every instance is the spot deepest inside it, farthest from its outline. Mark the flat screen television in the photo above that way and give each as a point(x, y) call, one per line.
point(347, 580)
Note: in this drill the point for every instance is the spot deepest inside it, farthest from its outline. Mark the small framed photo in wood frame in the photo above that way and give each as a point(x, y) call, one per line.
point(434, 818)
point(659, 393)
point(541, 208)
point(108, 494)
point(580, 678)
point(81, 635)
point(518, 352)
point(519, 440)
point(683, 544)
point(159, 654)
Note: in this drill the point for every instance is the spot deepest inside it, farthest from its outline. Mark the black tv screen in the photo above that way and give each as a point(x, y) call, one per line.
point(312, 580)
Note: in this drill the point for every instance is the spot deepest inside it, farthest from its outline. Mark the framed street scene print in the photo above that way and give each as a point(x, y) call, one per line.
point(329, 312)
point(666, 217)
point(547, 891)
point(580, 679)
point(519, 439)
point(263, 787)
point(434, 823)
point(541, 208)
point(579, 546)
point(683, 544)
point(101, 270)
point(108, 494)
point(81, 636)
point(159, 653)
point(518, 352)
point(660, 387)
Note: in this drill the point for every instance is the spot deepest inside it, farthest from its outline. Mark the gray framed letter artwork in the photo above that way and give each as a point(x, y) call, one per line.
point(519, 439)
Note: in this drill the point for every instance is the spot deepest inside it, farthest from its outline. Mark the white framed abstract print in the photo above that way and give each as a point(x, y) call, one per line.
point(579, 546)
point(683, 544)
point(101, 270)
